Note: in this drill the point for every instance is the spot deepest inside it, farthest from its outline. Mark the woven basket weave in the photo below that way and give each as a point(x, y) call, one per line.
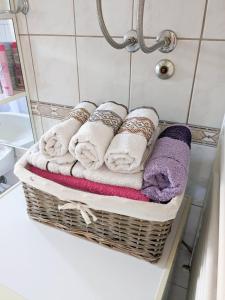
point(139, 238)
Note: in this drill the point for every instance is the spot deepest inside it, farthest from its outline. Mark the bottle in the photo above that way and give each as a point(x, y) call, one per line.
point(4, 73)
point(17, 67)
point(11, 64)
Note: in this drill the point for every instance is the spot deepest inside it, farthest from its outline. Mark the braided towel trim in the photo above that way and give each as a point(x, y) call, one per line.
point(138, 125)
point(79, 114)
point(107, 117)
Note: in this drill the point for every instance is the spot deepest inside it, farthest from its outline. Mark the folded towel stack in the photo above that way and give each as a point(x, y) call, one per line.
point(166, 172)
point(73, 168)
point(126, 153)
point(90, 143)
point(109, 152)
point(55, 141)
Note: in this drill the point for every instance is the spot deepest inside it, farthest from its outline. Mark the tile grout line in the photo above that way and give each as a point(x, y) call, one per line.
point(32, 62)
point(130, 59)
point(132, 17)
point(119, 36)
point(197, 60)
point(212, 40)
point(76, 54)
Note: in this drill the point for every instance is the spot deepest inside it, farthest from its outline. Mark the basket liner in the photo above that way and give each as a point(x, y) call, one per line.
point(148, 211)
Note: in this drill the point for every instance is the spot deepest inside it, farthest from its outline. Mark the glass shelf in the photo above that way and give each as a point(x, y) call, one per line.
point(6, 99)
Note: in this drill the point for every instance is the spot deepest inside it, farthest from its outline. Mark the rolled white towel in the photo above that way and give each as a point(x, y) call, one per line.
point(55, 141)
point(68, 166)
point(129, 148)
point(59, 164)
point(90, 143)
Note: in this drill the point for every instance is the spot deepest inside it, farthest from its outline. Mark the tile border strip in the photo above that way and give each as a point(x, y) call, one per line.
point(202, 135)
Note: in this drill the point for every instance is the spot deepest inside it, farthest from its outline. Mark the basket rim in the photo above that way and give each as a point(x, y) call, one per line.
point(149, 211)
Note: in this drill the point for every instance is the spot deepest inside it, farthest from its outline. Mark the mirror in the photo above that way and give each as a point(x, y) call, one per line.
point(15, 123)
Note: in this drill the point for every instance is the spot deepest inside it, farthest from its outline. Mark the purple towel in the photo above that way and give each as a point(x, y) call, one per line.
point(166, 172)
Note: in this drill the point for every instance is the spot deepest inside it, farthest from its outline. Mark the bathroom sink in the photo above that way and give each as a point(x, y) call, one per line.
point(15, 129)
point(6, 159)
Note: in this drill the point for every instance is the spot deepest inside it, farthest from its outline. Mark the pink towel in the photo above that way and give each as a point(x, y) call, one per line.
point(90, 186)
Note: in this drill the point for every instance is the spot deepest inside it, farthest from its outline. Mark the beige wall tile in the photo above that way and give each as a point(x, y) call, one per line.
point(215, 21)
point(103, 71)
point(170, 97)
point(183, 17)
point(51, 17)
point(55, 69)
point(117, 16)
point(28, 63)
point(208, 104)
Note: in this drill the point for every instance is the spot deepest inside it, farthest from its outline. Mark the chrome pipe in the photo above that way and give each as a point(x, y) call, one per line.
point(166, 41)
point(160, 44)
point(109, 39)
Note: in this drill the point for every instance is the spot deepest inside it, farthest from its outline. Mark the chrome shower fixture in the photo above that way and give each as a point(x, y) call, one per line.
point(134, 40)
point(129, 39)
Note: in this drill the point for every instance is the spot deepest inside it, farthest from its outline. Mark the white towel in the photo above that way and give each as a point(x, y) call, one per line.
point(74, 168)
point(128, 149)
point(148, 151)
point(60, 164)
point(55, 141)
point(90, 143)
point(104, 175)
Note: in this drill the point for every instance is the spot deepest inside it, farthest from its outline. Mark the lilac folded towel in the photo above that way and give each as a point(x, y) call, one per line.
point(166, 172)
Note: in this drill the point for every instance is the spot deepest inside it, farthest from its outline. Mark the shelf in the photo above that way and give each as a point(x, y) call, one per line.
point(81, 264)
point(16, 95)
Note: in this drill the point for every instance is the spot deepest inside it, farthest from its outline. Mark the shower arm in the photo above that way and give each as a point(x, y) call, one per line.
point(144, 48)
point(165, 41)
point(127, 42)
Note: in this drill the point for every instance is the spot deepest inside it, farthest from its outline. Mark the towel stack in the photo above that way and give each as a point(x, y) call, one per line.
point(108, 151)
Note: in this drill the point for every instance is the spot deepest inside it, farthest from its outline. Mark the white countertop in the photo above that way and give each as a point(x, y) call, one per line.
point(42, 263)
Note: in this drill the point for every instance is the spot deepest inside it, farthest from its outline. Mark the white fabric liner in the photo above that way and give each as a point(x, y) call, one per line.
point(137, 209)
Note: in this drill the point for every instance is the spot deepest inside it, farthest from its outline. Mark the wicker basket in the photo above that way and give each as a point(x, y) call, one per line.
point(141, 237)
